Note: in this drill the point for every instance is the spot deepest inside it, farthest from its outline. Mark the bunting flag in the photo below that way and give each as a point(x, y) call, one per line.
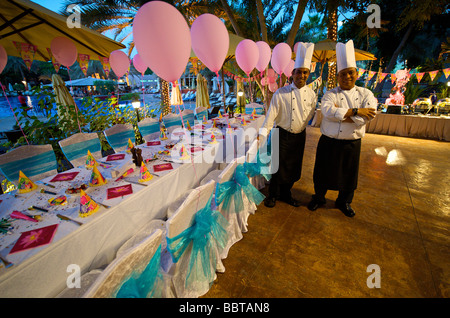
point(393, 78)
point(96, 178)
point(25, 184)
point(371, 74)
point(360, 72)
point(419, 76)
point(87, 205)
point(90, 161)
point(26, 52)
point(55, 63)
point(382, 76)
point(446, 72)
point(145, 174)
point(105, 64)
point(83, 61)
point(129, 146)
point(433, 74)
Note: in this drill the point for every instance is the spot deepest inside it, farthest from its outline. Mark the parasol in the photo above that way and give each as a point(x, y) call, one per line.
point(325, 51)
point(63, 97)
point(175, 97)
point(202, 97)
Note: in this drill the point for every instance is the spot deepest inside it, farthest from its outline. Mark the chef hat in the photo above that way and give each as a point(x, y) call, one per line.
point(304, 55)
point(345, 55)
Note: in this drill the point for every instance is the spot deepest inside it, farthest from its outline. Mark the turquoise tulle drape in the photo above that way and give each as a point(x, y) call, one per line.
point(235, 188)
point(143, 285)
point(253, 169)
point(207, 234)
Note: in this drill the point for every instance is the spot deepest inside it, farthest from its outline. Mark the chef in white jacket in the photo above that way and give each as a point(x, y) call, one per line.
point(291, 108)
point(346, 109)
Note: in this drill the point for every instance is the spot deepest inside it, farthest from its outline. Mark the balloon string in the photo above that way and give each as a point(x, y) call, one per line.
point(14, 113)
point(143, 93)
point(76, 108)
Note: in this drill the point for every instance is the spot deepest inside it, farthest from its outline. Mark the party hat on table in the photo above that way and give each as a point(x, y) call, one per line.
point(129, 145)
point(184, 155)
point(145, 174)
point(96, 178)
point(213, 139)
point(214, 124)
point(90, 161)
point(87, 205)
point(162, 134)
point(219, 115)
point(25, 184)
point(188, 126)
point(244, 123)
point(204, 120)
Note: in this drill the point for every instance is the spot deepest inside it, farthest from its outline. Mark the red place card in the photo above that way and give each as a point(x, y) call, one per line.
point(153, 143)
point(162, 167)
point(34, 238)
point(195, 149)
point(68, 176)
point(119, 191)
point(118, 156)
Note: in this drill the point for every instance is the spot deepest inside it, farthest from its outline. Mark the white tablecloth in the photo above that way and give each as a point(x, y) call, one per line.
point(42, 272)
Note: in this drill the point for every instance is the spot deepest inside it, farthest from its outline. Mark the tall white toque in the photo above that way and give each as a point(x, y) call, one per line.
point(304, 55)
point(345, 55)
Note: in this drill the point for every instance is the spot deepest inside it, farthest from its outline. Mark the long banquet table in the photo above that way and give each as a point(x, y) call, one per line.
point(44, 271)
point(418, 126)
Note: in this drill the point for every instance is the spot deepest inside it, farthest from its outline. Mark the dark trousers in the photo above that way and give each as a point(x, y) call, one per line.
point(291, 148)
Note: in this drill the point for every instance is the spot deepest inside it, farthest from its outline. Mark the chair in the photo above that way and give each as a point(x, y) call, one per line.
point(188, 115)
point(201, 112)
point(257, 178)
point(172, 121)
point(149, 128)
point(118, 135)
point(76, 147)
point(120, 278)
point(35, 161)
point(196, 236)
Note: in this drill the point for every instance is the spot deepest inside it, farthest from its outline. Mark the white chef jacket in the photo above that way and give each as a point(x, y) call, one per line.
point(290, 108)
point(332, 124)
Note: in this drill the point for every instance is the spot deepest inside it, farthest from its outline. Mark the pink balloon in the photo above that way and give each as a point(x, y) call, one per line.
point(289, 68)
point(162, 39)
point(3, 58)
point(139, 64)
point(210, 41)
point(119, 62)
point(64, 51)
point(264, 55)
point(247, 55)
point(281, 55)
point(273, 87)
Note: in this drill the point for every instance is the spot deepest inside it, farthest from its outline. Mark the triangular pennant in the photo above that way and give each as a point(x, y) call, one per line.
point(105, 64)
point(96, 178)
point(129, 146)
point(371, 74)
point(55, 63)
point(90, 161)
point(433, 74)
point(87, 205)
point(360, 72)
point(393, 78)
point(382, 76)
point(446, 72)
point(25, 184)
point(26, 52)
point(145, 174)
point(83, 61)
point(419, 76)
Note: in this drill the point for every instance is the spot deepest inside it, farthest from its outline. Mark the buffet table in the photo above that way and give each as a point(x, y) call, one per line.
point(418, 126)
point(43, 271)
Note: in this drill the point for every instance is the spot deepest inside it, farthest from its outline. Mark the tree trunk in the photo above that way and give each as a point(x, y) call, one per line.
point(332, 35)
point(262, 20)
point(296, 23)
point(165, 97)
point(230, 15)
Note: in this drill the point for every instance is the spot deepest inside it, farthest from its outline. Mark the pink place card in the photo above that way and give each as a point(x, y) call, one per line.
point(195, 149)
point(119, 191)
point(162, 167)
point(67, 176)
point(118, 156)
point(34, 238)
point(154, 143)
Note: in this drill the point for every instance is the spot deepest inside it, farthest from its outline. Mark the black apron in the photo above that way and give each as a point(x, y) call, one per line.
point(337, 164)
